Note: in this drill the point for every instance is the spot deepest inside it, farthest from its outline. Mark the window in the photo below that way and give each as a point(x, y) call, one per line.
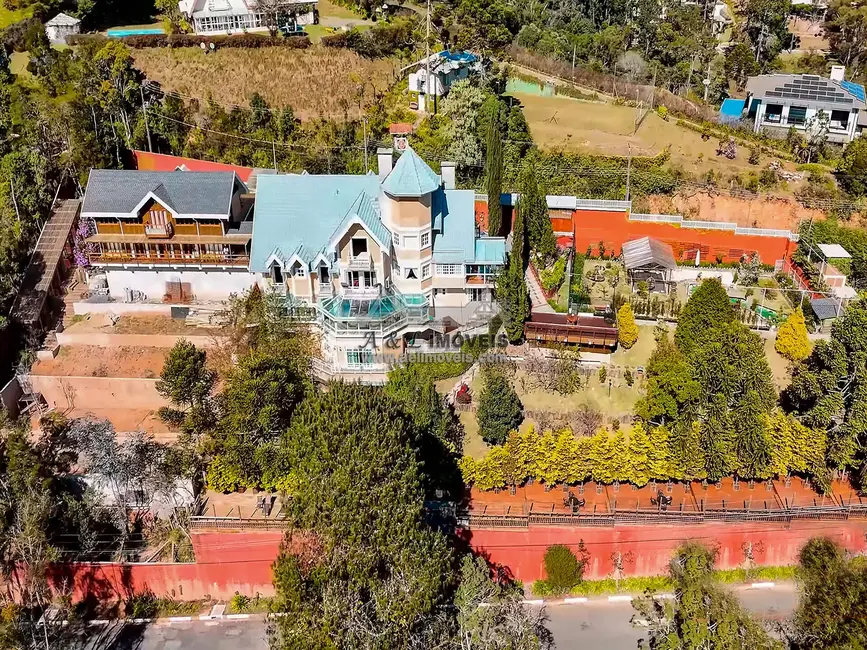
point(425, 271)
point(276, 273)
point(797, 115)
point(410, 273)
point(359, 246)
point(299, 271)
point(357, 358)
point(839, 120)
point(425, 239)
point(774, 113)
point(324, 277)
point(478, 295)
point(395, 238)
point(449, 269)
point(410, 242)
point(440, 292)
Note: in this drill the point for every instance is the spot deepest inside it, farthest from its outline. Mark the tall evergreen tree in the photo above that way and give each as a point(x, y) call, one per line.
point(707, 308)
point(533, 207)
point(511, 289)
point(494, 182)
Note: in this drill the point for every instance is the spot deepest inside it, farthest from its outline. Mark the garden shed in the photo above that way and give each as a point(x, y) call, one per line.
point(649, 260)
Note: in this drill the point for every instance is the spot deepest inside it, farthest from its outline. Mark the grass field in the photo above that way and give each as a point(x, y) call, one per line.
point(316, 83)
point(329, 9)
point(598, 128)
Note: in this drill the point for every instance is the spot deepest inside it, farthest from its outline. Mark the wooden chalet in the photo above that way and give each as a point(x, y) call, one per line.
point(176, 218)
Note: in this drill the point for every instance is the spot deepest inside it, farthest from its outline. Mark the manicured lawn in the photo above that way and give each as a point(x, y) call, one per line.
point(638, 354)
point(329, 9)
point(316, 32)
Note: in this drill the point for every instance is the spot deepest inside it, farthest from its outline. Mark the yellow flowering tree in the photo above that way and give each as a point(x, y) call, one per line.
point(627, 330)
point(792, 341)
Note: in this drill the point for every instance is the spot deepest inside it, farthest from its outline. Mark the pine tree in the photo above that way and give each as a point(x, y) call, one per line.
point(534, 206)
point(659, 455)
point(494, 166)
point(792, 341)
point(708, 307)
point(639, 452)
point(627, 330)
point(511, 289)
point(500, 410)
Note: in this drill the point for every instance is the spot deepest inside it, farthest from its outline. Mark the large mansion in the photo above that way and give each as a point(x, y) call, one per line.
point(377, 257)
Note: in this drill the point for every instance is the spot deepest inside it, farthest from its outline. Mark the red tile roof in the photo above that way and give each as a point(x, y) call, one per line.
point(162, 163)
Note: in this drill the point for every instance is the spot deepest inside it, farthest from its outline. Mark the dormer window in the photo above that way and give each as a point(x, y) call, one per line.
point(276, 273)
point(298, 270)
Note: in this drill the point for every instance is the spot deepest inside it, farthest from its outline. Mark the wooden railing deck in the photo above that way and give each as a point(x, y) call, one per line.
point(203, 259)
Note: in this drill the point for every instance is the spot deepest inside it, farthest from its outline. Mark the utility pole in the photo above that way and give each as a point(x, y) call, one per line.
point(427, 90)
point(147, 126)
point(707, 83)
point(573, 61)
point(628, 169)
point(364, 128)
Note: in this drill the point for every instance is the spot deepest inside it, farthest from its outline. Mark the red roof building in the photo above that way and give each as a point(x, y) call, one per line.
point(157, 162)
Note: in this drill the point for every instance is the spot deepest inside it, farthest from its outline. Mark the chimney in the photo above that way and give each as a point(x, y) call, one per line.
point(448, 174)
point(838, 72)
point(384, 159)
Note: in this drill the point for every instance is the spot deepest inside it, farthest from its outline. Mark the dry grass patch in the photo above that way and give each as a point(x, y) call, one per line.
point(317, 82)
point(606, 129)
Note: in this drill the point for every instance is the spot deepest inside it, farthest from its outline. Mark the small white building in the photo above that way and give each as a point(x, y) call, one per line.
point(219, 17)
point(445, 69)
point(61, 26)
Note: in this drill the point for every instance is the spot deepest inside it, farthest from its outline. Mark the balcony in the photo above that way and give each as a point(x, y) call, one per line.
point(480, 280)
point(377, 313)
point(159, 231)
point(205, 259)
point(362, 262)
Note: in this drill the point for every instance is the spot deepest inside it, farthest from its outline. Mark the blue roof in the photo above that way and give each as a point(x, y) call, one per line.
point(364, 210)
point(460, 57)
point(298, 214)
point(456, 243)
point(731, 109)
point(411, 177)
point(855, 89)
point(490, 249)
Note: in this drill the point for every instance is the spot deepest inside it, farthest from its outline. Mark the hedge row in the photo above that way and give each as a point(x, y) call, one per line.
point(140, 41)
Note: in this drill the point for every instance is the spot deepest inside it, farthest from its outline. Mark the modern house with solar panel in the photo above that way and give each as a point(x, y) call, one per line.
point(384, 259)
point(778, 102)
point(216, 17)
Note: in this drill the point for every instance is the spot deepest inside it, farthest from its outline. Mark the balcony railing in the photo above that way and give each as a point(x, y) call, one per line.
point(361, 262)
point(162, 230)
point(204, 259)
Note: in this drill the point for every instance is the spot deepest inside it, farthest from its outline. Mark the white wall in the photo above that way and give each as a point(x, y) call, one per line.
point(205, 285)
point(727, 278)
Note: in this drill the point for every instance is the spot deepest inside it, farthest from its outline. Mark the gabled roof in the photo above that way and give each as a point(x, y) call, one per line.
point(807, 90)
point(454, 211)
point(826, 308)
point(63, 20)
point(119, 192)
point(411, 177)
point(646, 251)
point(363, 211)
point(298, 214)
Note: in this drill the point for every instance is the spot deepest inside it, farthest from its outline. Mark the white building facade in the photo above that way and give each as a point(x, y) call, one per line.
point(222, 17)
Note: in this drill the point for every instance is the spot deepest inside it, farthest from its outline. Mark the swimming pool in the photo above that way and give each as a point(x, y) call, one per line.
point(120, 33)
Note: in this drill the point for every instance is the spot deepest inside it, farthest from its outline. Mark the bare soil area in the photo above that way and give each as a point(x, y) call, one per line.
point(761, 212)
point(91, 361)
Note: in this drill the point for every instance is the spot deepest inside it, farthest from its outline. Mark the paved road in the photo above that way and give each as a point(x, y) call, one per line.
point(600, 624)
point(595, 624)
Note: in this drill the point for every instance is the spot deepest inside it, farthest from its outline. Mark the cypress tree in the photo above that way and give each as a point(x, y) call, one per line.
point(495, 177)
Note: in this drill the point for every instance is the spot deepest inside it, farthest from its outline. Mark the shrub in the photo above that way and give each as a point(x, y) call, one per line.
point(627, 330)
point(662, 111)
point(239, 602)
point(191, 40)
point(603, 374)
point(754, 156)
point(563, 569)
point(630, 378)
point(143, 605)
point(552, 278)
point(792, 341)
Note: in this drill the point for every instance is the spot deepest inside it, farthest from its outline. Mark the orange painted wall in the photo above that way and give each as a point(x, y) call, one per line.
point(650, 547)
point(613, 228)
